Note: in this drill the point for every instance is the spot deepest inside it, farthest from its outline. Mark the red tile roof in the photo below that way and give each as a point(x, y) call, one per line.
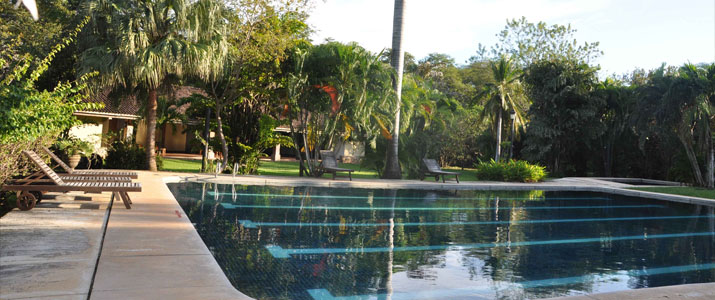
point(130, 105)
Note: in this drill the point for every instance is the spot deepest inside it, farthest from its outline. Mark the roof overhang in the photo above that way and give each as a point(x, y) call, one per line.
point(105, 115)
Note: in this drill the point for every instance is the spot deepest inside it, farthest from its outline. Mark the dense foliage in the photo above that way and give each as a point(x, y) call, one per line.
point(513, 170)
point(564, 116)
point(32, 118)
point(140, 47)
point(534, 96)
point(59, 19)
point(338, 93)
point(127, 155)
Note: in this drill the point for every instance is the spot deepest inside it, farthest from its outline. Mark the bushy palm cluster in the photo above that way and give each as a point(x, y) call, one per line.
point(138, 47)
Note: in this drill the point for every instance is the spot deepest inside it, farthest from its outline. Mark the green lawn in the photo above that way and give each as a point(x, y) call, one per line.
point(681, 190)
point(278, 168)
point(290, 168)
point(181, 165)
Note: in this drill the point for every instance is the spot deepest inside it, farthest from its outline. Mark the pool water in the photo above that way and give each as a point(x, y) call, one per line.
point(349, 244)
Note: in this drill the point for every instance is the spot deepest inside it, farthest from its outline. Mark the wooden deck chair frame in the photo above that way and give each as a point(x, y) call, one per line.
point(330, 165)
point(433, 169)
point(26, 199)
point(69, 170)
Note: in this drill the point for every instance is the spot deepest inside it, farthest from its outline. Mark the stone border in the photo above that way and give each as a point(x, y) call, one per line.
point(563, 184)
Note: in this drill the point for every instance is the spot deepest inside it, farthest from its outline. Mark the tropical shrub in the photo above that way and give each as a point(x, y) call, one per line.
point(247, 156)
point(71, 145)
point(31, 118)
point(335, 92)
point(514, 171)
point(127, 155)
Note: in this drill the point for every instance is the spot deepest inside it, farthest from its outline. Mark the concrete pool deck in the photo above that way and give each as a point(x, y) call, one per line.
point(50, 251)
point(153, 251)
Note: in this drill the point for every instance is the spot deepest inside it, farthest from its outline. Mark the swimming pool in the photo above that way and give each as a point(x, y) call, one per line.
point(348, 244)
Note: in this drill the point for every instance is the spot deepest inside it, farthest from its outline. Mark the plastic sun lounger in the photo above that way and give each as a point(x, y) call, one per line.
point(434, 169)
point(27, 199)
point(71, 171)
point(330, 165)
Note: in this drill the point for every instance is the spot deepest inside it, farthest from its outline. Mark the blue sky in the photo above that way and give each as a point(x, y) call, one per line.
point(632, 33)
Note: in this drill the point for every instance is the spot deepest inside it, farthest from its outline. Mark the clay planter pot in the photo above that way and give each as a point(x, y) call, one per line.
point(74, 160)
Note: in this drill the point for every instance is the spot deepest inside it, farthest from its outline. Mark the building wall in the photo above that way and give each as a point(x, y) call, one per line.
point(91, 131)
point(175, 140)
point(141, 133)
point(350, 152)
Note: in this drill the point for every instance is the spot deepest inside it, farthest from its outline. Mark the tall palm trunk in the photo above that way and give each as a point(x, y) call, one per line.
point(151, 130)
point(392, 161)
point(498, 149)
point(711, 162)
point(221, 137)
point(693, 159)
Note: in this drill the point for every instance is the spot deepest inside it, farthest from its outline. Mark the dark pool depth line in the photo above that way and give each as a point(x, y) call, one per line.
point(234, 206)
point(212, 193)
point(323, 294)
point(251, 224)
point(280, 252)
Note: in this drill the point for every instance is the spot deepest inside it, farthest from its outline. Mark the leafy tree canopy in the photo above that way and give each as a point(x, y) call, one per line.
point(29, 117)
point(531, 42)
point(58, 18)
point(565, 115)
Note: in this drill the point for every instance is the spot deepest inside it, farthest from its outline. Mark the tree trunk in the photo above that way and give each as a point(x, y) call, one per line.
point(296, 146)
point(207, 129)
point(151, 130)
point(498, 149)
point(608, 156)
point(224, 146)
point(711, 164)
point(608, 162)
point(392, 161)
point(693, 162)
point(310, 170)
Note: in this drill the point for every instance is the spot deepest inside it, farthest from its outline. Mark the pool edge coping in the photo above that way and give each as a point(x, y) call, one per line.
point(565, 184)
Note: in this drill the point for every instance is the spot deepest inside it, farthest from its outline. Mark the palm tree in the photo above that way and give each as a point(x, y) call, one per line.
point(690, 96)
point(392, 161)
point(503, 95)
point(139, 46)
point(680, 105)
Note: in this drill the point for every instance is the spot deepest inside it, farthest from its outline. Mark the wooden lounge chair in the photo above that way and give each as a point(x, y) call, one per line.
point(433, 168)
point(39, 176)
point(330, 165)
point(25, 190)
point(71, 171)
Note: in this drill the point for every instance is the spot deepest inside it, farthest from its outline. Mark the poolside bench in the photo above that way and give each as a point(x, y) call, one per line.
point(27, 188)
point(69, 170)
point(330, 165)
point(433, 169)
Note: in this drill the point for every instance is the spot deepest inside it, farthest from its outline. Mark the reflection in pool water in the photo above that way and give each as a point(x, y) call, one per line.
point(349, 244)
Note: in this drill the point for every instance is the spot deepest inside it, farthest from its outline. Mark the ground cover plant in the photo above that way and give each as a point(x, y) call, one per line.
point(513, 170)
